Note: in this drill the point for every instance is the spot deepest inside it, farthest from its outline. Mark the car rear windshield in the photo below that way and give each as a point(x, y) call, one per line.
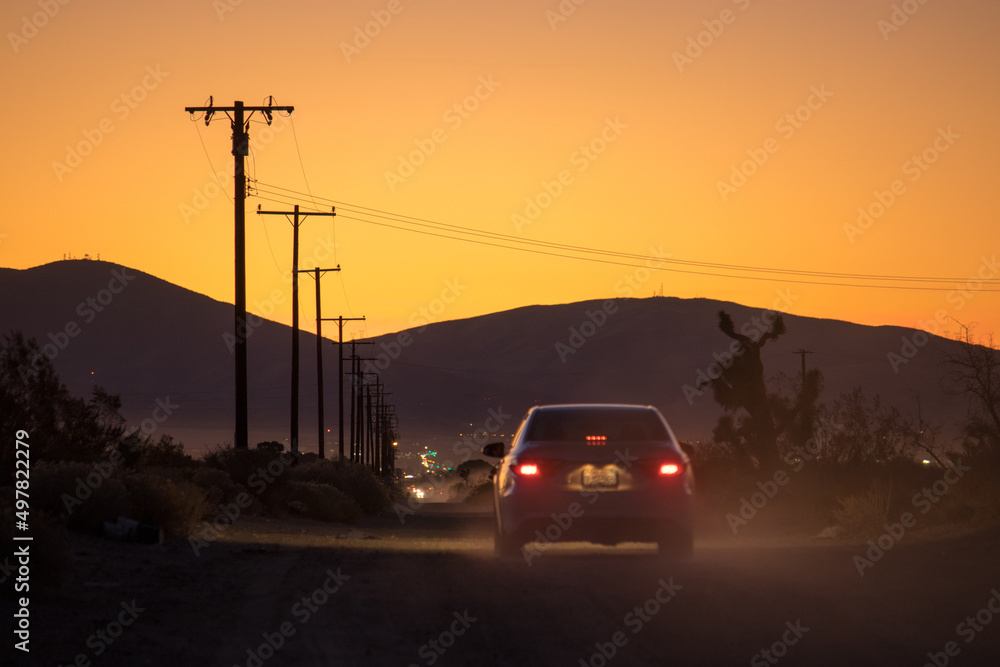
point(614, 425)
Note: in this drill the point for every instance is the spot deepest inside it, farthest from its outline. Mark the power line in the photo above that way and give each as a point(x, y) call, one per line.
point(509, 237)
point(510, 242)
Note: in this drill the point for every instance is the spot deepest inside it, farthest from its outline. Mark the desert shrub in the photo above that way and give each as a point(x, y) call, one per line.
point(220, 489)
point(177, 507)
point(864, 513)
point(62, 427)
point(355, 480)
point(258, 469)
point(49, 481)
point(481, 494)
point(78, 493)
point(320, 501)
point(143, 453)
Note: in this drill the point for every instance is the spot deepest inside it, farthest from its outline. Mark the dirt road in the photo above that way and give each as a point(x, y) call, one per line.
point(428, 591)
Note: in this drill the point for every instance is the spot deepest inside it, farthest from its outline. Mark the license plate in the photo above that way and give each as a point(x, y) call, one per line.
point(600, 477)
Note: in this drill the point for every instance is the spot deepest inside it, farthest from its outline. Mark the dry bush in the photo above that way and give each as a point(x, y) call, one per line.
point(481, 494)
point(321, 501)
point(865, 513)
point(251, 467)
point(80, 494)
point(355, 480)
point(220, 489)
point(177, 507)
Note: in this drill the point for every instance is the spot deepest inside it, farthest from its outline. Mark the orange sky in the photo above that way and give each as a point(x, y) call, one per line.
point(111, 79)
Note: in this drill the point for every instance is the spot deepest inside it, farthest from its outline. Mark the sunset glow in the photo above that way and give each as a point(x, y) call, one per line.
point(855, 138)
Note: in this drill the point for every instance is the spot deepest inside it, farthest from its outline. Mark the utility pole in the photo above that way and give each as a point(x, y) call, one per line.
point(368, 430)
point(355, 452)
point(803, 353)
point(385, 440)
point(340, 375)
point(317, 273)
point(294, 438)
point(377, 424)
point(239, 117)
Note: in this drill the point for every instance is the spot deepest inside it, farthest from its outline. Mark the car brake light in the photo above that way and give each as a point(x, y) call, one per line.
point(669, 469)
point(527, 469)
point(597, 439)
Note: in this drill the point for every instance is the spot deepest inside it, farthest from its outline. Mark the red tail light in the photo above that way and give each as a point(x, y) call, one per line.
point(527, 469)
point(670, 469)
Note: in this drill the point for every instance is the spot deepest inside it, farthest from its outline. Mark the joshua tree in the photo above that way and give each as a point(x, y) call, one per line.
point(754, 418)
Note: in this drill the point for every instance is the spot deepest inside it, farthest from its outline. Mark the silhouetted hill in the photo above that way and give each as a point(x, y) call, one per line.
point(156, 341)
point(152, 341)
point(647, 351)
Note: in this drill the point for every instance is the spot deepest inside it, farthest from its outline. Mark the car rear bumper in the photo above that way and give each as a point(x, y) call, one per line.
point(607, 516)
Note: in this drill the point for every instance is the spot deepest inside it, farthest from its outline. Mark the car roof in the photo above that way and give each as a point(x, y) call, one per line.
point(602, 406)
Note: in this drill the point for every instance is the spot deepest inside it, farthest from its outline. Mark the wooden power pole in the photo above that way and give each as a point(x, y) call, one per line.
point(296, 220)
point(317, 273)
point(239, 117)
point(340, 375)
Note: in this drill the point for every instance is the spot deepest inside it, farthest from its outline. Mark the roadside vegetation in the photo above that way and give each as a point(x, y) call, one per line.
point(779, 460)
point(88, 469)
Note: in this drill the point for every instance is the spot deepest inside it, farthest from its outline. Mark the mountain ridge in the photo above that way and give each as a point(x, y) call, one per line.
point(151, 340)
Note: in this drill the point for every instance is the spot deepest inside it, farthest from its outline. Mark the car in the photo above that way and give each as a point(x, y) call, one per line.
point(604, 473)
